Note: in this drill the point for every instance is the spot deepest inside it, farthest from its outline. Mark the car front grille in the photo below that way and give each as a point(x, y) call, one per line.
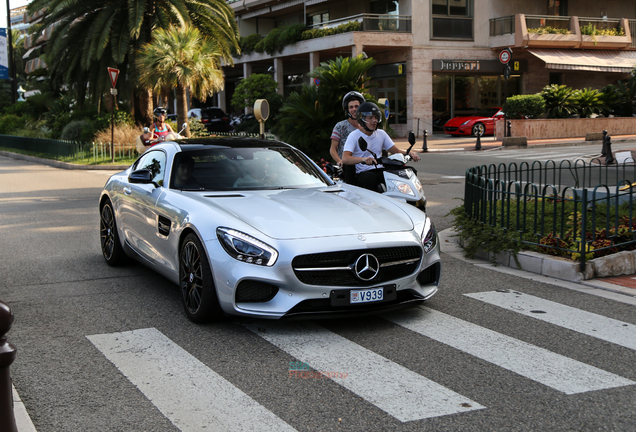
point(337, 268)
point(450, 129)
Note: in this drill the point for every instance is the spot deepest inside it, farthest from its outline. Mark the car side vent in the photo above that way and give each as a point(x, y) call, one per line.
point(251, 291)
point(225, 196)
point(164, 226)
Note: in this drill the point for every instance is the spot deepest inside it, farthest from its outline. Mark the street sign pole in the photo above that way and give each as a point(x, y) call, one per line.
point(112, 74)
point(504, 57)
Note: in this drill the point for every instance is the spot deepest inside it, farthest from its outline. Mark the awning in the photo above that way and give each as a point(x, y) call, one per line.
point(587, 60)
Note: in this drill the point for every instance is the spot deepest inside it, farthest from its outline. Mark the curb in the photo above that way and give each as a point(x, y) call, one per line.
point(63, 165)
point(532, 262)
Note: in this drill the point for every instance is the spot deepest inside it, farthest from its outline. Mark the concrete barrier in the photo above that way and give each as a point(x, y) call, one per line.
point(534, 129)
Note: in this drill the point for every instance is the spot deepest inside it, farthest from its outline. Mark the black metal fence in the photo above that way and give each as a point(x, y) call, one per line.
point(579, 209)
point(70, 151)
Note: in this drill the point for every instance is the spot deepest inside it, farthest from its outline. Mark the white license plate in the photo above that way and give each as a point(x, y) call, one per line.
point(367, 295)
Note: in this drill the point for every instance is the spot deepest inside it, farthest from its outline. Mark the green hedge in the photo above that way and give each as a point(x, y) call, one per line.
point(525, 106)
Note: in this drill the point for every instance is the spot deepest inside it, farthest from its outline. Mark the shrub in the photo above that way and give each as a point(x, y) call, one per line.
point(588, 101)
point(248, 43)
point(123, 134)
point(559, 101)
point(256, 86)
point(549, 30)
point(525, 106)
point(11, 122)
point(342, 28)
point(78, 130)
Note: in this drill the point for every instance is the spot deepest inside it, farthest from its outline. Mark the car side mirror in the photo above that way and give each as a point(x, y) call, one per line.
point(362, 143)
point(141, 176)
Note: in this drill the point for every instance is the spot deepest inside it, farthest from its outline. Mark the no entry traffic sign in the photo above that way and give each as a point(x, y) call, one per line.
point(505, 55)
point(113, 74)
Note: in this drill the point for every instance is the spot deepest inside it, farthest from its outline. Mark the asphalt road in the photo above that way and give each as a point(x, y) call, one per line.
point(110, 349)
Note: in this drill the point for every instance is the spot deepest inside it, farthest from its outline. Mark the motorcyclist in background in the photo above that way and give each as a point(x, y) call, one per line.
point(350, 103)
point(368, 173)
point(159, 128)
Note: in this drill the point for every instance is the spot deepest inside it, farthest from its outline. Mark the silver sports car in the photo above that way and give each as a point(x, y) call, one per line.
point(253, 227)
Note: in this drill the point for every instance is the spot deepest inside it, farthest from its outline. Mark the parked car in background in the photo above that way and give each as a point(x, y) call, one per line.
point(480, 123)
point(215, 120)
point(195, 113)
point(171, 117)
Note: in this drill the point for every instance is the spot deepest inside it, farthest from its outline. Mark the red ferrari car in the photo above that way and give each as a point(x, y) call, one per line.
point(480, 123)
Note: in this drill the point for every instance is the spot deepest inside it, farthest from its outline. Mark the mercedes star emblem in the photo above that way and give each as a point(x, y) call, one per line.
point(366, 267)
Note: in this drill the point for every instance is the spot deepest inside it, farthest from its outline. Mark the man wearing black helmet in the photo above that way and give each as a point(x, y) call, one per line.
point(368, 176)
point(160, 128)
point(350, 103)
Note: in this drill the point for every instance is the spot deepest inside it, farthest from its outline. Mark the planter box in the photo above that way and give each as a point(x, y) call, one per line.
point(534, 129)
point(605, 42)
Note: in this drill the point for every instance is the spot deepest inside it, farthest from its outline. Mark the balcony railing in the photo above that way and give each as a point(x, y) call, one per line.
point(502, 25)
point(372, 22)
point(547, 31)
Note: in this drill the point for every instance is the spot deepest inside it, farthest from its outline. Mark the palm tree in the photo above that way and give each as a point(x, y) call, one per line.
point(308, 117)
point(181, 57)
point(91, 35)
point(559, 100)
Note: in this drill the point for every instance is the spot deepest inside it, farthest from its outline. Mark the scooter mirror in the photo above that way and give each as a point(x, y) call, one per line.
point(411, 138)
point(362, 143)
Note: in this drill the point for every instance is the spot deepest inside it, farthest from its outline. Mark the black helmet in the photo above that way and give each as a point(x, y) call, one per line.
point(368, 109)
point(352, 95)
point(159, 110)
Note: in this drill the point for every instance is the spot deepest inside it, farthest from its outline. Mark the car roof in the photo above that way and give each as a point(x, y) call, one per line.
point(193, 144)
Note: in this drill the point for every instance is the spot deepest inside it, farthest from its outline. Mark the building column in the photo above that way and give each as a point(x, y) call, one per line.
point(314, 62)
point(278, 75)
point(221, 100)
point(357, 49)
point(247, 71)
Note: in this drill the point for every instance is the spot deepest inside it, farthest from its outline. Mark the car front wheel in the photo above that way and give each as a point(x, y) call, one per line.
point(109, 238)
point(195, 282)
point(479, 129)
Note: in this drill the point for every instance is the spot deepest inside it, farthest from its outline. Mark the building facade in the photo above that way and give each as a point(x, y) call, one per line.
point(440, 58)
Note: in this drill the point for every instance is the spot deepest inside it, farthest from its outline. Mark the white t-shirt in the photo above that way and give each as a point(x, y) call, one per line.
point(378, 141)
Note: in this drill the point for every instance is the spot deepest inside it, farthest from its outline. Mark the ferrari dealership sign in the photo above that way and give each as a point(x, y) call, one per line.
point(4, 55)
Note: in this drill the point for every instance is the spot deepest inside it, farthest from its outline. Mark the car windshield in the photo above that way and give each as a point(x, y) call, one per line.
point(487, 112)
point(233, 169)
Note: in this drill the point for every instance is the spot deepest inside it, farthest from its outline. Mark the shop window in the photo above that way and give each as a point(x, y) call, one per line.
point(452, 19)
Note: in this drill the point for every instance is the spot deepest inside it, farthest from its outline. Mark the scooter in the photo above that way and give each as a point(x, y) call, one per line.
point(400, 180)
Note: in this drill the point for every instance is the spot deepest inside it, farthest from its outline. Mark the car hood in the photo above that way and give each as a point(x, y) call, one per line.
point(313, 212)
point(457, 121)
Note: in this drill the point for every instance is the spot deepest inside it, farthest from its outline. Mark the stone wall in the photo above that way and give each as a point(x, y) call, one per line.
point(567, 128)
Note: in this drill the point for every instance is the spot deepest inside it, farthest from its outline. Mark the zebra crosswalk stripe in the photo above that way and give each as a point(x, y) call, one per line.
point(400, 392)
point(538, 364)
point(588, 323)
point(191, 395)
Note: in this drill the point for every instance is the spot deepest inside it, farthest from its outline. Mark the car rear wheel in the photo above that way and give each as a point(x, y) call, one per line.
point(479, 129)
point(109, 238)
point(195, 281)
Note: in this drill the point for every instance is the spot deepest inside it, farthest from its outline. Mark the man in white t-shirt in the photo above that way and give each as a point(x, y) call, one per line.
point(368, 172)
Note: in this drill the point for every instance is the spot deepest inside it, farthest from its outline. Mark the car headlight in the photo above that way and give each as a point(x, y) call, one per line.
point(245, 248)
point(466, 122)
point(429, 236)
point(403, 187)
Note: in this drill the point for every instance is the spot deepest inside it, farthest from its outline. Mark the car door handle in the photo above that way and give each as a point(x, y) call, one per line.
point(127, 190)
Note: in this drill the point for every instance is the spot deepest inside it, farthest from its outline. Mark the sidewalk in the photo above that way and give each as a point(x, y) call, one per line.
point(540, 266)
point(447, 143)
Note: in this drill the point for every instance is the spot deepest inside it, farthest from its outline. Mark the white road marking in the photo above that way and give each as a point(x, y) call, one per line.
point(591, 324)
point(191, 395)
point(553, 370)
point(389, 386)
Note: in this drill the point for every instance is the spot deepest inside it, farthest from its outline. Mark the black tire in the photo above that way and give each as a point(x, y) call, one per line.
point(196, 284)
point(109, 237)
point(479, 129)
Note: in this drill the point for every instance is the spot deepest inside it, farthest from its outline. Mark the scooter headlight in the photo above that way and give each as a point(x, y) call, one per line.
point(403, 187)
point(418, 185)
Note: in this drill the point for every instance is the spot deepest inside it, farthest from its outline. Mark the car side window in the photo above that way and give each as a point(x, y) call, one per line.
point(155, 162)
